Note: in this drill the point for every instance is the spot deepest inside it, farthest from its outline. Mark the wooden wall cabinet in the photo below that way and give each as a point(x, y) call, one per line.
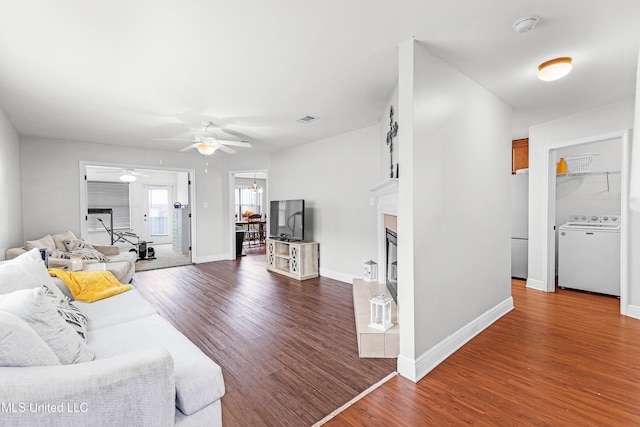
point(298, 260)
point(519, 154)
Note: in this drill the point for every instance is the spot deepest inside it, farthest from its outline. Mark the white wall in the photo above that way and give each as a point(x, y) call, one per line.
point(334, 176)
point(608, 118)
point(454, 247)
point(10, 186)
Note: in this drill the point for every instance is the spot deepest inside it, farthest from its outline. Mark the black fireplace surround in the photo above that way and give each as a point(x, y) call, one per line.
point(392, 264)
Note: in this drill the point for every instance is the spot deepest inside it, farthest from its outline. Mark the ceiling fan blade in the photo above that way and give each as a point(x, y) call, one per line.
point(235, 143)
point(226, 149)
point(188, 147)
point(172, 139)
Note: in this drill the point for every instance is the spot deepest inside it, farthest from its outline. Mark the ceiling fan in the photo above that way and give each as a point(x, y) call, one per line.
point(126, 175)
point(208, 144)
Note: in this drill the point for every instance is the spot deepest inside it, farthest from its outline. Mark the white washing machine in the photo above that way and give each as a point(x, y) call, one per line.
point(589, 254)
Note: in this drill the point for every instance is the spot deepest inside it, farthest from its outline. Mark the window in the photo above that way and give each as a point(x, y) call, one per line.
point(114, 195)
point(248, 200)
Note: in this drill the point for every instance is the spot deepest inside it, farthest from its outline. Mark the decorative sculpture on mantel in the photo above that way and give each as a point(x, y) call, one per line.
point(393, 132)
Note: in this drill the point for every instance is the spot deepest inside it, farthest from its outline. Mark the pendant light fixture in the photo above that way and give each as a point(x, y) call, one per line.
point(254, 188)
point(554, 69)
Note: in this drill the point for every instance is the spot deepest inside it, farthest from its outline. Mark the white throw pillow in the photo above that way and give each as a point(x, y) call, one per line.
point(37, 310)
point(45, 242)
point(26, 271)
point(21, 346)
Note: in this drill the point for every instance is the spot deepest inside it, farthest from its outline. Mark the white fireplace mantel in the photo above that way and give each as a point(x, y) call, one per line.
point(386, 194)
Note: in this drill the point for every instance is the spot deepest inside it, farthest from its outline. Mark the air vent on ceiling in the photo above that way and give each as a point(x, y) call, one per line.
point(307, 119)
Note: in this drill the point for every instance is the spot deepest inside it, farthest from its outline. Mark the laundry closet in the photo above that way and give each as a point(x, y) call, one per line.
point(587, 221)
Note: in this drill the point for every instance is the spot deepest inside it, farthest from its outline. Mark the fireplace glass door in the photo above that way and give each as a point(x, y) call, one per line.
point(392, 264)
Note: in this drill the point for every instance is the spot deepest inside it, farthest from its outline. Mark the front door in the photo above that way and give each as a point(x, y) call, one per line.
point(157, 210)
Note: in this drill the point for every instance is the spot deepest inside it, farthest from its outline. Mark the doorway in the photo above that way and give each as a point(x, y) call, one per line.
point(248, 194)
point(555, 215)
point(148, 211)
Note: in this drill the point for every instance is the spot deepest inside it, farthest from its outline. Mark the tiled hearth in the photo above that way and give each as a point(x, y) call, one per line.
point(372, 342)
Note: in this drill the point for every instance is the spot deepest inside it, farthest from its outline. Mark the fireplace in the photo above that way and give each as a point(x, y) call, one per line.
point(386, 197)
point(392, 264)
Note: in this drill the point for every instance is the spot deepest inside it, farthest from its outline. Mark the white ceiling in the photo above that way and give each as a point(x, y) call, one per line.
point(125, 72)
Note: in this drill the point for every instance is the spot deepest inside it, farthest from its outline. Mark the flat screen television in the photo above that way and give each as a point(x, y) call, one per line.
point(286, 220)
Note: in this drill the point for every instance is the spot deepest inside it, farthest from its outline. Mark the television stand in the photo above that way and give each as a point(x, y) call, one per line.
point(298, 260)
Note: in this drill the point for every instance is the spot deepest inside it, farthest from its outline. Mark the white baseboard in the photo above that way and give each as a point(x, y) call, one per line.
point(210, 258)
point(535, 284)
point(336, 275)
point(417, 369)
point(633, 311)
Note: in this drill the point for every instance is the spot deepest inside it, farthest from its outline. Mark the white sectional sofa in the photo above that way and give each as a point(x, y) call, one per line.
point(120, 261)
point(142, 371)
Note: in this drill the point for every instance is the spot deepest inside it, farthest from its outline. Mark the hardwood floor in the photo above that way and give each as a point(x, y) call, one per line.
point(563, 359)
point(289, 355)
point(287, 349)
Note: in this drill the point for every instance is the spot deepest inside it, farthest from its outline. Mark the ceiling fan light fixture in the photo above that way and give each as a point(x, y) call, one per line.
point(204, 148)
point(127, 177)
point(555, 69)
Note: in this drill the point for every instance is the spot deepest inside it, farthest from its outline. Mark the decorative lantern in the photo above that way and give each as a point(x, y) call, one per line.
point(380, 312)
point(75, 264)
point(370, 271)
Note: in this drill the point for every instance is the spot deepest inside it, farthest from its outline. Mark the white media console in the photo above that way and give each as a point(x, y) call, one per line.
point(298, 260)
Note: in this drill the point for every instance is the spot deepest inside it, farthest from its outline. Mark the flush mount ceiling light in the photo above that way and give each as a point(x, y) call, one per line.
point(554, 69)
point(127, 177)
point(525, 24)
point(204, 148)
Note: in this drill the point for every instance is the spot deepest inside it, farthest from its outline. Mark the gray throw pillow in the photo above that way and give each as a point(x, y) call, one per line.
point(37, 310)
point(75, 244)
point(69, 312)
point(21, 346)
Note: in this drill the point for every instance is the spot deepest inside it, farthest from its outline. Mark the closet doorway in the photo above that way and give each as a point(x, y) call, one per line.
point(553, 153)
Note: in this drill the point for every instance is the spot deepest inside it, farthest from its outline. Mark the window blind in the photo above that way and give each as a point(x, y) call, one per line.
point(114, 195)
